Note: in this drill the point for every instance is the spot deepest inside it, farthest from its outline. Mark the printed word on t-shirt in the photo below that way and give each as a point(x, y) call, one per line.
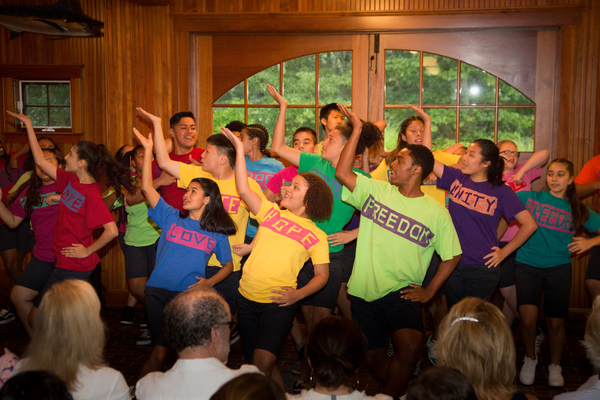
point(231, 203)
point(397, 223)
point(517, 186)
point(472, 199)
point(72, 198)
point(550, 217)
point(336, 187)
point(193, 239)
point(288, 228)
point(261, 178)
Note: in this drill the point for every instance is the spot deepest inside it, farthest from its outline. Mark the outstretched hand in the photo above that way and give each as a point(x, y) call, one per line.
point(276, 96)
point(149, 116)
point(350, 116)
point(145, 141)
point(21, 117)
point(420, 112)
point(237, 143)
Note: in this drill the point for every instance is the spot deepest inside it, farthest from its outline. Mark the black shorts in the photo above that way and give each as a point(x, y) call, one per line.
point(140, 261)
point(228, 287)
point(60, 275)
point(385, 316)
point(36, 274)
point(471, 281)
point(349, 253)
point(327, 296)
point(15, 238)
point(554, 283)
point(156, 300)
point(263, 325)
point(434, 265)
point(593, 267)
point(507, 269)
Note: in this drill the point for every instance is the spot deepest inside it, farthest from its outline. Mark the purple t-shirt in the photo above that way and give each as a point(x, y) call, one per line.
point(475, 208)
point(43, 221)
point(283, 177)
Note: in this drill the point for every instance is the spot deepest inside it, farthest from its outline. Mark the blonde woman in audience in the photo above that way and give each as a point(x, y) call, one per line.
point(475, 339)
point(69, 340)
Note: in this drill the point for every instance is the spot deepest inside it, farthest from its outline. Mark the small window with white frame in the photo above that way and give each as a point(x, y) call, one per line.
point(47, 103)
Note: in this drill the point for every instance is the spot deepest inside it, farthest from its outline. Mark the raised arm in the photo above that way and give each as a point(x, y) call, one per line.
point(587, 188)
point(7, 216)
point(14, 158)
point(538, 159)
point(438, 169)
point(343, 170)
point(252, 199)
point(426, 141)
point(278, 144)
point(160, 147)
point(147, 187)
point(36, 150)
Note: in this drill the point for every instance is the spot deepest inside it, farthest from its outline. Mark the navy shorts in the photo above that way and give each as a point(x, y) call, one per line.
point(263, 326)
point(554, 283)
point(140, 261)
point(386, 315)
point(228, 287)
point(471, 281)
point(15, 238)
point(349, 253)
point(60, 275)
point(508, 268)
point(36, 274)
point(156, 300)
point(327, 296)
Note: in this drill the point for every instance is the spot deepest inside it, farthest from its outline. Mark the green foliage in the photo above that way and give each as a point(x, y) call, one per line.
point(439, 79)
point(223, 116)
point(394, 118)
point(299, 77)
point(508, 95)
point(296, 118)
point(60, 95)
point(517, 124)
point(60, 116)
point(443, 127)
point(476, 123)
point(257, 85)
point(233, 96)
point(401, 77)
point(335, 77)
point(476, 86)
point(38, 115)
point(36, 94)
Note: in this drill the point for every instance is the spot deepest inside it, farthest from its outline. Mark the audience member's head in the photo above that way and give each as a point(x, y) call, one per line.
point(250, 387)
point(440, 383)
point(197, 322)
point(591, 339)
point(35, 385)
point(475, 339)
point(68, 332)
point(336, 352)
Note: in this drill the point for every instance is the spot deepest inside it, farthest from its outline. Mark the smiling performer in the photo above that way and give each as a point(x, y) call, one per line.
point(184, 247)
point(286, 240)
point(400, 228)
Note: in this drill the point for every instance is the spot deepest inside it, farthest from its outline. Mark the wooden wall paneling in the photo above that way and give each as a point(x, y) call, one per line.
point(360, 75)
point(566, 84)
point(201, 91)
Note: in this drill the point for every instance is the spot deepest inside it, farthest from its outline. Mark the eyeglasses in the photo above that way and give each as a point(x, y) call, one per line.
point(231, 324)
point(509, 153)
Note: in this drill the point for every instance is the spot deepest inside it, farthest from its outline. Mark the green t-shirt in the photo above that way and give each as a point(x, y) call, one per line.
point(141, 230)
point(396, 239)
point(342, 212)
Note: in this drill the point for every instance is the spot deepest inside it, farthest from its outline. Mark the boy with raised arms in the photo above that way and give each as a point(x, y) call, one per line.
point(400, 228)
point(217, 164)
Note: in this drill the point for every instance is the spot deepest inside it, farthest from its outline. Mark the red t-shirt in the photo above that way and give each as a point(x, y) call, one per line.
point(171, 194)
point(81, 210)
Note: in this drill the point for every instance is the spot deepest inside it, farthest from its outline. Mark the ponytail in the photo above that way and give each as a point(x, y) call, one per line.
point(260, 132)
point(490, 153)
point(579, 212)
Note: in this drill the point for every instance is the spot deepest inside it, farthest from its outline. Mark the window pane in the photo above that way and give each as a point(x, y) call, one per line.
point(60, 95)
point(264, 116)
point(296, 118)
point(335, 77)
point(443, 127)
point(38, 115)
point(60, 116)
point(394, 117)
point(223, 116)
point(401, 77)
point(36, 94)
point(510, 96)
point(257, 90)
point(233, 96)
point(299, 77)
point(517, 124)
point(476, 86)
point(439, 80)
point(476, 123)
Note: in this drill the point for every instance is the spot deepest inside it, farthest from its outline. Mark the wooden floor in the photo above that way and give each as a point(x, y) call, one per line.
point(124, 355)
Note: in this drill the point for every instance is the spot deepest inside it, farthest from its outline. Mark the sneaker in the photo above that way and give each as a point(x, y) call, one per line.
point(144, 322)
point(390, 351)
point(297, 368)
point(145, 338)
point(431, 350)
point(128, 316)
point(6, 316)
point(417, 370)
point(538, 340)
point(235, 334)
point(527, 375)
point(555, 377)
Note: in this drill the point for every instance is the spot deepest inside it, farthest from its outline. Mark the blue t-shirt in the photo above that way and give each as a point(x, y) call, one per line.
point(183, 249)
point(548, 246)
point(261, 171)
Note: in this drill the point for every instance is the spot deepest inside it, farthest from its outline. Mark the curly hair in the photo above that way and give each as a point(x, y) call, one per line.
point(318, 199)
point(369, 135)
point(422, 157)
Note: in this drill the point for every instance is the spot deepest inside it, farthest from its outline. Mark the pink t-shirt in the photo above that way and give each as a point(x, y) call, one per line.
point(172, 195)
point(283, 177)
point(525, 185)
point(43, 221)
point(81, 210)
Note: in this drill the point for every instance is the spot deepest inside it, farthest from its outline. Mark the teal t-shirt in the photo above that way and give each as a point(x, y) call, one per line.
point(342, 212)
point(396, 239)
point(548, 246)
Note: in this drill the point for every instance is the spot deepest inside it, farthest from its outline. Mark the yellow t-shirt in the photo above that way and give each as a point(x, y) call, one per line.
point(232, 202)
point(381, 174)
point(282, 245)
